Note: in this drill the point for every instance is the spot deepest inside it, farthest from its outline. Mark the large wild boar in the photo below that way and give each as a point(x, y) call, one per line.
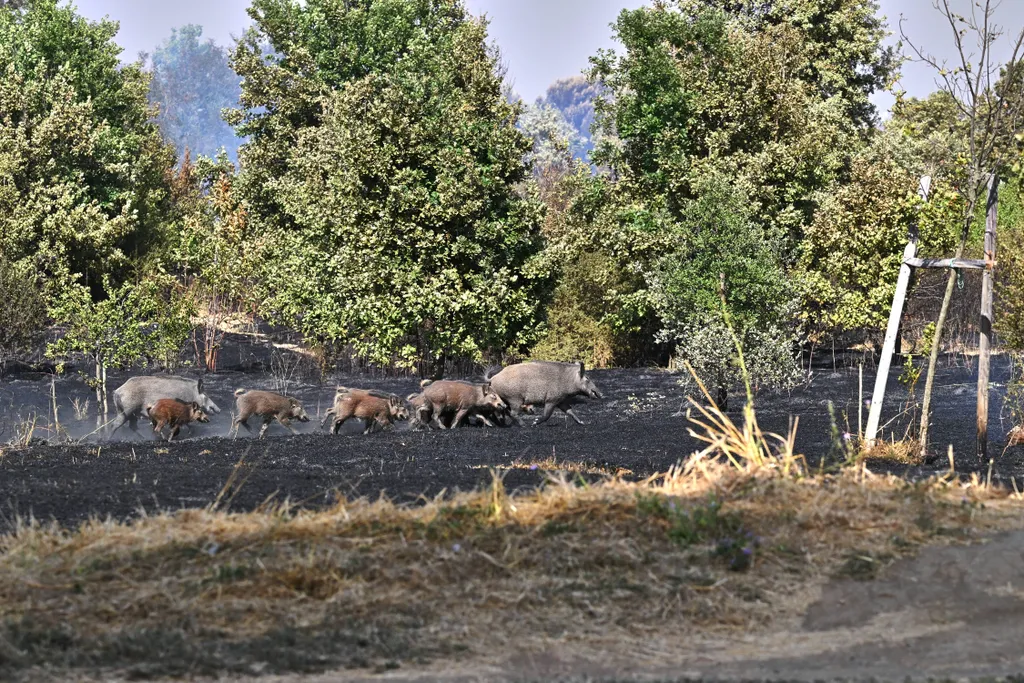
point(376, 409)
point(547, 383)
point(269, 406)
point(461, 398)
point(174, 413)
point(132, 397)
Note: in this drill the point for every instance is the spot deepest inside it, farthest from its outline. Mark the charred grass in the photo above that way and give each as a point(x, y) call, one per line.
point(737, 538)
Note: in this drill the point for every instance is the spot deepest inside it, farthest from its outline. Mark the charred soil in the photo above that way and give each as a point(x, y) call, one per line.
point(638, 430)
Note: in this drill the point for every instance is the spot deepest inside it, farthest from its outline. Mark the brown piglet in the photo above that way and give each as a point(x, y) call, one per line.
point(269, 406)
point(174, 413)
point(375, 409)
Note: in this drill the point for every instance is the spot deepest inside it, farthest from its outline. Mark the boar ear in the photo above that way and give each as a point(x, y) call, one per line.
point(582, 370)
point(487, 387)
point(195, 406)
point(199, 384)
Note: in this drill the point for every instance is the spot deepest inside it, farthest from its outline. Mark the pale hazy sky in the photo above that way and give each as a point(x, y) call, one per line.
point(542, 40)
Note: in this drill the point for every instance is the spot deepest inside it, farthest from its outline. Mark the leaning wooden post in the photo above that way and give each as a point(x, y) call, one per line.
point(892, 329)
point(985, 343)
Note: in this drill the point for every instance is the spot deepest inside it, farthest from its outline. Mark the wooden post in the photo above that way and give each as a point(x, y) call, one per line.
point(985, 343)
point(892, 329)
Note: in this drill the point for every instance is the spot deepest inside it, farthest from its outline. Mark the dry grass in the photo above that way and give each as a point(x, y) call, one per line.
point(737, 537)
point(554, 465)
point(907, 452)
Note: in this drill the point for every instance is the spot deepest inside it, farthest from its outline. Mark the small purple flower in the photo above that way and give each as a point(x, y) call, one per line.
point(672, 505)
point(456, 548)
point(847, 436)
point(533, 467)
point(748, 551)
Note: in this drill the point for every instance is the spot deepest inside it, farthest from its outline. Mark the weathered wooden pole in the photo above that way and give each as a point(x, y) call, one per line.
point(985, 343)
point(892, 329)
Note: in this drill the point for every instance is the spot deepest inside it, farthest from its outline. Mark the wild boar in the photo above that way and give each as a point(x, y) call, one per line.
point(420, 412)
point(269, 406)
point(462, 398)
point(547, 383)
point(174, 413)
point(376, 409)
point(132, 397)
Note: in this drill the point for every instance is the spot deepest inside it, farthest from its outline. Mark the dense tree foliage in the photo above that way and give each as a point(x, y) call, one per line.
point(192, 83)
point(722, 129)
point(381, 175)
point(82, 167)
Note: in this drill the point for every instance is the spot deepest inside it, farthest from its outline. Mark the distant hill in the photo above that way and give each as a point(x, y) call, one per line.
point(574, 98)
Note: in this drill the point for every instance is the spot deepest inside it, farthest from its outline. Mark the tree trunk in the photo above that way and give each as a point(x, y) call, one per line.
point(985, 343)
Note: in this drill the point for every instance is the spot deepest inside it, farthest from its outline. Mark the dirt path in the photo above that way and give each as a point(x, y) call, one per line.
point(949, 613)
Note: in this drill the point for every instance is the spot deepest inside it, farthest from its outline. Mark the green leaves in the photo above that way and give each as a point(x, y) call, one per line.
point(382, 176)
point(82, 186)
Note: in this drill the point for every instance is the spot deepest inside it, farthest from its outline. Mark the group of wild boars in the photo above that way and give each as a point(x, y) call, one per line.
point(458, 400)
point(376, 409)
point(174, 413)
point(547, 383)
point(446, 404)
point(135, 396)
point(179, 401)
point(269, 406)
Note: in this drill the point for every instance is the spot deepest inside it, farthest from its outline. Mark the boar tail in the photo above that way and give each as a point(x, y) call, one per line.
point(239, 392)
point(491, 372)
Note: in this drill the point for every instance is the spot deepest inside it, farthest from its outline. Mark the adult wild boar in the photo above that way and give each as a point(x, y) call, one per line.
point(269, 406)
point(132, 397)
point(173, 413)
point(462, 398)
point(547, 383)
point(375, 408)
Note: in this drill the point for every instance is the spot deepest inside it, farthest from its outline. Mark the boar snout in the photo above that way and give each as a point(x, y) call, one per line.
point(298, 412)
point(197, 413)
point(209, 406)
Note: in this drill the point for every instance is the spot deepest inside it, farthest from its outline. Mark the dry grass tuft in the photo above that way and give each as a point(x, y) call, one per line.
point(907, 452)
point(553, 465)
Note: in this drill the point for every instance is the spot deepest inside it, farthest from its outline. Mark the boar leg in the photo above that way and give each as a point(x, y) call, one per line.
point(515, 407)
point(338, 421)
point(437, 418)
point(566, 408)
point(326, 416)
point(287, 423)
point(174, 433)
point(483, 418)
point(549, 409)
point(460, 417)
point(266, 425)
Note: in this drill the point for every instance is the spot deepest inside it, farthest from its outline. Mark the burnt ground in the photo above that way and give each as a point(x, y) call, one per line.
point(636, 430)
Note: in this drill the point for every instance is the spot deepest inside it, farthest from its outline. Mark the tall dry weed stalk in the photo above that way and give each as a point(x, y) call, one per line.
point(747, 448)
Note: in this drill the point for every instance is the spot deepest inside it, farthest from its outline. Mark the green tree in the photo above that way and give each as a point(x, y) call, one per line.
point(192, 82)
point(23, 315)
point(852, 251)
point(135, 321)
point(382, 175)
point(82, 167)
point(760, 106)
